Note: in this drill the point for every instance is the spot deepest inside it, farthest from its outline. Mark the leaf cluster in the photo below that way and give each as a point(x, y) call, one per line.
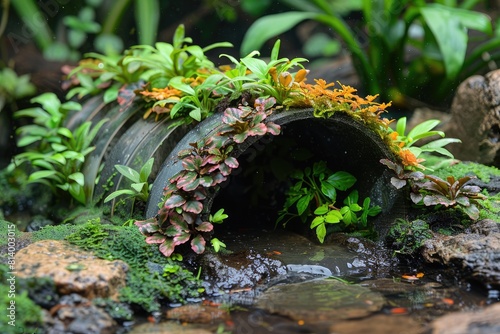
point(433, 191)
point(314, 196)
point(449, 193)
point(14, 87)
point(403, 143)
point(263, 78)
point(156, 65)
point(205, 165)
point(139, 188)
point(57, 154)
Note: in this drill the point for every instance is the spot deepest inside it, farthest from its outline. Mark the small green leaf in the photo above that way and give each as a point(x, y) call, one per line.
point(334, 216)
point(78, 178)
point(129, 173)
point(321, 232)
point(321, 210)
point(342, 180)
point(138, 187)
point(329, 191)
point(317, 221)
point(217, 244)
point(118, 193)
point(218, 217)
point(303, 204)
point(146, 170)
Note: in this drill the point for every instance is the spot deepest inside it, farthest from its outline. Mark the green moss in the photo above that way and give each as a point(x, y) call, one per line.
point(118, 311)
point(147, 286)
point(490, 208)
point(5, 230)
point(55, 232)
point(406, 237)
point(27, 315)
point(462, 169)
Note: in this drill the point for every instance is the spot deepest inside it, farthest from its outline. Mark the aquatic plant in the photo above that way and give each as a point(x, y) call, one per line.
point(314, 195)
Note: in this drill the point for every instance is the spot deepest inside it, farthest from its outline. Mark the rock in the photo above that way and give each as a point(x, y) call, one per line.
point(476, 119)
point(379, 324)
point(77, 315)
point(484, 321)
point(37, 222)
point(195, 313)
point(477, 255)
point(320, 301)
point(170, 327)
point(72, 270)
point(243, 269)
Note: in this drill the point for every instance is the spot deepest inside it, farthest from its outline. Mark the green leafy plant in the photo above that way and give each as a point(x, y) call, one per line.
point(314, 196)
point(406, 237)
point(451, 192)
point(14, 87)
point(205, 165)
point(59, 153)
point(404, 143)
point(268, 78)
point(106, 73)
point(217, 218)
point(166, 61)
point(139, 189)
point(437, 31)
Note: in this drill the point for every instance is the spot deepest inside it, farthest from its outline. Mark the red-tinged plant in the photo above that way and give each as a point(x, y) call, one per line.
point(205, 164)
point(402, 176)
point(449, 193)
point(245, 121)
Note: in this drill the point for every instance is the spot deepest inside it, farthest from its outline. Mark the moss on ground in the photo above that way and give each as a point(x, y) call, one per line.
point(27, 316)
point(150, 279)
point(483, 172)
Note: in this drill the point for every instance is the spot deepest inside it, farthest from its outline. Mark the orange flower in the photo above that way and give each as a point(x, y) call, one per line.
point(161, 93)
point(409, 159)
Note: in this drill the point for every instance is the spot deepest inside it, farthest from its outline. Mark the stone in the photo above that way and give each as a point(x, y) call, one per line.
point(196, 313)
point(243, 269)
point(483, 321)
point(477, 255)
point(320, 301)
point(72, 270)
point(379, 324)
point(77, 315)
point(476, 119)
point(170, 327)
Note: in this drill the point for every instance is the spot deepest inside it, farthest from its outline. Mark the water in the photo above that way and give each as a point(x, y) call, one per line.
point(385, 296)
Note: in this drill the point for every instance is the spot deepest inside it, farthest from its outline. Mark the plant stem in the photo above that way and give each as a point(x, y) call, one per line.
point(359, 59)
point(35, 21)
point(114, 16)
